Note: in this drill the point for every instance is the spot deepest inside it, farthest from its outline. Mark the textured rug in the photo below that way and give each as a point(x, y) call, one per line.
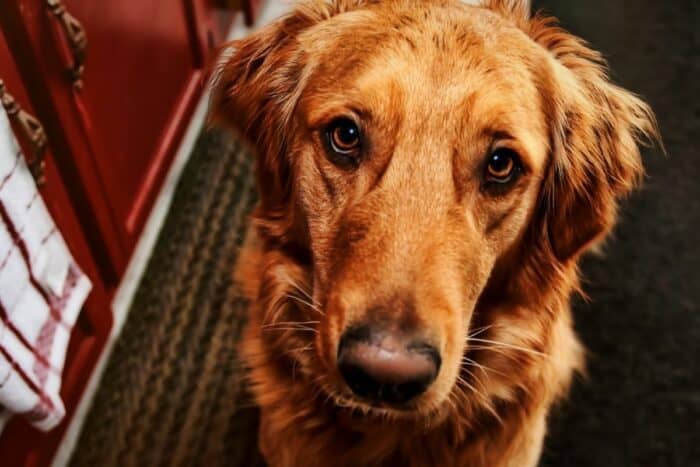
point(172, 393)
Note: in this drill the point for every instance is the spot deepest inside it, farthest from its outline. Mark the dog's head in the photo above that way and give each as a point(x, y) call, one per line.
point(424, 164)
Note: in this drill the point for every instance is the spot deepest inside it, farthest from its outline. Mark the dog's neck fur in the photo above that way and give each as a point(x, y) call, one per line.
point(482, 424)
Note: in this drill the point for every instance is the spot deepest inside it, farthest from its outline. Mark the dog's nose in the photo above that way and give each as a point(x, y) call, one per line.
point(386, 367)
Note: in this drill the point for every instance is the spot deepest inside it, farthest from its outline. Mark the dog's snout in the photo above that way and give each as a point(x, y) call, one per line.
point(386, 367)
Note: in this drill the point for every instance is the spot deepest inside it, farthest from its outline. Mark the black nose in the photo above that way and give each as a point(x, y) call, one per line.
point(386, 367)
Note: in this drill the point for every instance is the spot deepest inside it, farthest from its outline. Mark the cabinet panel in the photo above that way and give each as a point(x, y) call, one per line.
point(116, 134)
point(141, 74)
point(53, 192)
point(29, 32)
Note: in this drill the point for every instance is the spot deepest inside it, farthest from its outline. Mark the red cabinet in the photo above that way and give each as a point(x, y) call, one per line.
point(112, 129)
point(142, 69)
point(115, 133)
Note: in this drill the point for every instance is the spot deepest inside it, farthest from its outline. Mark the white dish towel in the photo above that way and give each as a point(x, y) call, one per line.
point(41, 293)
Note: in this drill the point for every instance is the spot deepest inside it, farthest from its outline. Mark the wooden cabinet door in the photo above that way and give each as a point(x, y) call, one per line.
point(142, 72)
point(117, 132)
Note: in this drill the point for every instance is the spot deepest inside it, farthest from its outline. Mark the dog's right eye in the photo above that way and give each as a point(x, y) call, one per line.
point(343, 141)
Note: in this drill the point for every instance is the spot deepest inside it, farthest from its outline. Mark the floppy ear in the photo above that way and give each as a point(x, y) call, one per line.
point(255, 89)
point(596, 131)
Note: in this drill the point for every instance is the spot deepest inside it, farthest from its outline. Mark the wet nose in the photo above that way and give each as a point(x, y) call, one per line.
point(386, 367)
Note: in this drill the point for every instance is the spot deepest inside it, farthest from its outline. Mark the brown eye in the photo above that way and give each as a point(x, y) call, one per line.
point(343, 138)
point(502, 166)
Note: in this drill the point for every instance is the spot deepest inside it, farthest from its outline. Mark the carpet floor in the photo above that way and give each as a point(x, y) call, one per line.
point(172, 393)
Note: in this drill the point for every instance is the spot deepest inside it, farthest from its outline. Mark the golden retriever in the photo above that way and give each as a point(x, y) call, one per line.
point(430, 173)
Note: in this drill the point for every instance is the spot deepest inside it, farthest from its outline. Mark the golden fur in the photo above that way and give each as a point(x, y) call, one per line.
point(409, 233)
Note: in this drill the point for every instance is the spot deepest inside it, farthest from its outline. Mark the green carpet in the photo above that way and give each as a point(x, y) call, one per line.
point(172, 391)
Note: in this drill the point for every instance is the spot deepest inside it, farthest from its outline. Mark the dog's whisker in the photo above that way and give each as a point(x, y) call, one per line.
point(275, 311)
point(510, 346)
point(453, 398)
point(292, 323)
point(305, 348)
point(476, 380)
point(486, 402)
point(463, 381)
point(307, 298)
point(504, 352)
point(287, 324)
point(292, 328)
point(480, 330)
point(486, 369)
point(298, 287)
point(482, 394)
point(306, 303)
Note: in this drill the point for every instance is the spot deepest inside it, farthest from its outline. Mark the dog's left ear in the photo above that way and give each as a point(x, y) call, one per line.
point(596, 129)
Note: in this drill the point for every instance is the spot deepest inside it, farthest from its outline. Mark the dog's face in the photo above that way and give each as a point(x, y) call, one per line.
point(422, 158)
point(408, 149)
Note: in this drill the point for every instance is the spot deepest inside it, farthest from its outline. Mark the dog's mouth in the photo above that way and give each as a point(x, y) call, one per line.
point(372, 407)
point(372, 410)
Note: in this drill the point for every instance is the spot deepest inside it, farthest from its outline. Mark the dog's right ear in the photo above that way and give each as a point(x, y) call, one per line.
point(254, 88)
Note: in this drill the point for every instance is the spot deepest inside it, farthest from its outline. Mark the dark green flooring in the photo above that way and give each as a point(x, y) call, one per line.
point(172, 393)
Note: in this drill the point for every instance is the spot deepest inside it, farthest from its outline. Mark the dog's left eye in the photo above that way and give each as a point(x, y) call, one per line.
point(502, 166)
point(343, 142)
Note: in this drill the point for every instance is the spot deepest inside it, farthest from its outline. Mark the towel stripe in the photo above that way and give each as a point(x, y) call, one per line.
point(27, 380)
point(19, 241)
point(11, 326)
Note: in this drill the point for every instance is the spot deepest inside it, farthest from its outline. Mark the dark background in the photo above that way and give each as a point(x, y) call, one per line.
point(640, 404)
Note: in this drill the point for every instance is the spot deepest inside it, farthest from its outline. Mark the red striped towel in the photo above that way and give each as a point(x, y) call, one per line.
point(41, 293)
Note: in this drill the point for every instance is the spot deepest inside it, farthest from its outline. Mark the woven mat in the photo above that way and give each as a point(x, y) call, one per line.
point(172, 393)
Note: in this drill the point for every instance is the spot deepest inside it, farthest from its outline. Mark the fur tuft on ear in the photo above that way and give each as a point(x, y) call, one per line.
point(597, 128)
point(254, 88)
point(516, 10)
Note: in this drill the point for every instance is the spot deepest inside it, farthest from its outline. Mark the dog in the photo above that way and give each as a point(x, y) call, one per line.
point(430, 174)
